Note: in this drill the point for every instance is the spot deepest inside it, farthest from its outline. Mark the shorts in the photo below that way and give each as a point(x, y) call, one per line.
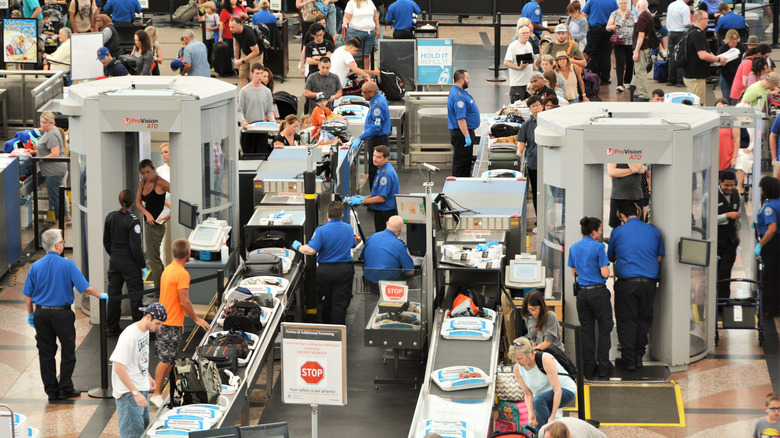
point(167, 344)
point(744, 161)
point(366, 37)
point(246, 68)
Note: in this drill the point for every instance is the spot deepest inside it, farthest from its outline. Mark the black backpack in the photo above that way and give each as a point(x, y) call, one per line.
point(270, 239)
point(224, 356)
point(391, 85)
point(238, 339)
point(198, 381)
point(680, 52)
point(245, 315)
point(130, 63)
point(561, 357)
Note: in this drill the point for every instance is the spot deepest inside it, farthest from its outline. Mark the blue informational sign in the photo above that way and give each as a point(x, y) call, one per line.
point(434, 62)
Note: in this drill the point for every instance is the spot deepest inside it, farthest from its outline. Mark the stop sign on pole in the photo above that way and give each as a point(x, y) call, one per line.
point(312, 372)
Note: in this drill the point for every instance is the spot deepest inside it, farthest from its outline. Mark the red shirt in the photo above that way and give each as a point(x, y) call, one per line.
point(225, 17)
point(726, 149)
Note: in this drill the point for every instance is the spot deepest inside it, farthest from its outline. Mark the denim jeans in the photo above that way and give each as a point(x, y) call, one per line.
point(53, 184)
point(331, 24)
point(132, 419)
point(366, 37)
point(339, 19)
point(543, 405)
point(725, 87)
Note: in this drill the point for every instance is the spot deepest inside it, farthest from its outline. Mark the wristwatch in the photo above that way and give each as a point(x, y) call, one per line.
point(134, 393)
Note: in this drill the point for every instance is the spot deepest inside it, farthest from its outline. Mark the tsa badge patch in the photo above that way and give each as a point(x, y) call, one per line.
point(383, 181)
point(768, 211)
point(377, 111)
point(461, 104)
point(537, 12)
point(137, 229)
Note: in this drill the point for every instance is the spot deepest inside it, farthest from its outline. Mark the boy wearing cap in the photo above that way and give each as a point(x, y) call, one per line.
point(111, 67)
point(130, 376)
point(320, 113)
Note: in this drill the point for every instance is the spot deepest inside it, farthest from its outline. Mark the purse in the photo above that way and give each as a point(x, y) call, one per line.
point(340, 38)
point(309, 12)
point(507, 388)
point(617, 40)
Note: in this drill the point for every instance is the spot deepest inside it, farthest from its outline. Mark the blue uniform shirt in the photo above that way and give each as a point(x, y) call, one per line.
point(386, 257)
point(588, 257)
point(768, 214)
point(636, 246)
point(264, 16)
point(776, 130)
point(730, 21)
point(460, 105)
point(533, 12)
point(378, 118)
point(51, 280)
point(598, 11)
point(400, 14)
point(385, 184)
point(333, 242)
point(122, 10)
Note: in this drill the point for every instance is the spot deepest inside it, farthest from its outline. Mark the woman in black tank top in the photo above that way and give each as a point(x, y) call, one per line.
point(151, 201)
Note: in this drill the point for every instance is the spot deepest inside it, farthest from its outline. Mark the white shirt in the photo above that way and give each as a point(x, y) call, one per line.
point(132, 351)
point(164, 172)
point(363, 16)
point(62, 54)
point(678, 15)
point(339, 64)
point(519, 77)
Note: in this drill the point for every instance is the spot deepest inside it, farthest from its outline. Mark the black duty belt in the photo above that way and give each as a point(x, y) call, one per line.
point(53, 307)
point(638, 280)
point(595, 286)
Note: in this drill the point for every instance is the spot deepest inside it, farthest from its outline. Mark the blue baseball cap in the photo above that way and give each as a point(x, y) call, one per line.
point(157, 311)
point(102, 53)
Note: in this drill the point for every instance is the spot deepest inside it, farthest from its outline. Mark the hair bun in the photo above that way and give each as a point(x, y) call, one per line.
point(584, 221)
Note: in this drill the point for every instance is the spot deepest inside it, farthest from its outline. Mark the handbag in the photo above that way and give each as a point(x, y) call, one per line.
point(309, 12)
point(341, 38)
point(617, 40)
point(507, 388)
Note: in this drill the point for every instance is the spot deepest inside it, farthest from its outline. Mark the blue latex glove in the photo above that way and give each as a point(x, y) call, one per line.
point(491, 243)
point(296, 245)
point(757, 251)
point(482, 247)
point(355, 200)
point(104, 296)
point(31, 320)
point(468, 141)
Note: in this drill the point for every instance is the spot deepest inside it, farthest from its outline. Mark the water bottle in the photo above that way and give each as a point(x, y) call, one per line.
point(224, 253)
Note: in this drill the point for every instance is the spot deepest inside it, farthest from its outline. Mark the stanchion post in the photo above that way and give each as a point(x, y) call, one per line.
point(496, 49)
point(103, 391)
point(220, 284)
point(313, 421)
point(775, 15)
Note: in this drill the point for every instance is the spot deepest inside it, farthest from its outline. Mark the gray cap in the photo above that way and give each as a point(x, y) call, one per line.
point(561, 28)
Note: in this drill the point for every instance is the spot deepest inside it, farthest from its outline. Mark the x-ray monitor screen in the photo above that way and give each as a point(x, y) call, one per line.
point(694, 252)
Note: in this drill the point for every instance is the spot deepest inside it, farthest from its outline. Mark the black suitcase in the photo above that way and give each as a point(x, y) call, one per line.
point(503, 160)
point(223, 59)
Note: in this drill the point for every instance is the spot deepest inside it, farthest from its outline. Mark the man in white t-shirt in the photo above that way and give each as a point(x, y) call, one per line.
point(519, 68)
point(130, 374)
point(343, 60)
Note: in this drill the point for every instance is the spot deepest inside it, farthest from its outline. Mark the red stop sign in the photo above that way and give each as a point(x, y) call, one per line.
point(394, 291)
point(312, 372)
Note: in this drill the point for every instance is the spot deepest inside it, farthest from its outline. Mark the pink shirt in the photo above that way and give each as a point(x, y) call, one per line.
point(743, 70)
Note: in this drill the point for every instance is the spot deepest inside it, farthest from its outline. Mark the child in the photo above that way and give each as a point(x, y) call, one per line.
point(320, 113)
point(156, 50)
point(770, 425)
point(48, 27)
point(307, 129)
point(212, 23)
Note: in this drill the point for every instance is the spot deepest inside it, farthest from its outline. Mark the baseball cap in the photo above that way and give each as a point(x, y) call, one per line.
point(102, 53)
point(561, 28)
point(157, 311)
point(320, 96)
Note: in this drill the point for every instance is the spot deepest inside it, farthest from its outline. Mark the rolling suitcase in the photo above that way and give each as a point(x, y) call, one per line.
point(503, 160)
point(223, 59)
point(185, 13)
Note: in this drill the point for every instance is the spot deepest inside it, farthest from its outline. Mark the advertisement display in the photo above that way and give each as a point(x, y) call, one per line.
point(434, 62)
point(20, 42)
point(314, 364)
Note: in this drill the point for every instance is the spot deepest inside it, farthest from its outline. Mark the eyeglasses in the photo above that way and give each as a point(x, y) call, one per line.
point(774, 408)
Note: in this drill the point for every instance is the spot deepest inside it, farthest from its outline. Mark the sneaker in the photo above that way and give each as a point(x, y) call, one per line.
point(157, 400)
point(770, 28)
point(534, 230)
point(298, 35)
point(620, 88)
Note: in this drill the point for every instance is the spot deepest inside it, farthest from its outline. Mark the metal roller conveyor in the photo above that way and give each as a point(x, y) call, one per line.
point(237, 404)
point(472, 406)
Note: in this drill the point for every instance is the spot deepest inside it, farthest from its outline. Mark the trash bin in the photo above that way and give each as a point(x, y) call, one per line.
point(426, 29)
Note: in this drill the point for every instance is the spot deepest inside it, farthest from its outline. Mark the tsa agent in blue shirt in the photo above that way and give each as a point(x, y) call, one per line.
point(49, 286)
point(589, 264)
point(637, 250)
point(728, 19)
point(332, 243)
point(386, 256)
point(774, 144)
point(462, 119)
point(599, 48)
point(376, 129)
point(400, 13)
point(264, 16)
point(769, 245)
point(533, 11)
point(386, 186)
point(122, 11)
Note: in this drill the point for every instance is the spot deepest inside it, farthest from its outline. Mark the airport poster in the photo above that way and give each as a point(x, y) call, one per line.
point(434, 62)
point(314, 364)
point(20, 42)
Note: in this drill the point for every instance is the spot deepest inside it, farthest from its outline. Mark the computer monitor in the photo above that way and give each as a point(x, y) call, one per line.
point(222, 432)
point(524, 272)
point(270, 430)
point(694, 252)
point(188, 214)
point(411, 208)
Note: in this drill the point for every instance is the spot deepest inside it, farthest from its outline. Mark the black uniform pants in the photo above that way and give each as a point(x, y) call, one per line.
point(334, 287)
point(727, 254)
point(51, 326)
point(461, 155)
point(634, 316)
point(371, 143)
point(599, 48)
point(594, 305)
point(121, 271)
point(381, 218)
point(675, 73)
point(532, 179)
point(403, 34)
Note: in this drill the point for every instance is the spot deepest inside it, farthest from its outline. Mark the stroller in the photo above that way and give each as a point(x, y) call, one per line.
point(286, 104)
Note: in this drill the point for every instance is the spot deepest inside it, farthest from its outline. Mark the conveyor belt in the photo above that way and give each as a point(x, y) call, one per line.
point(239, 402)
point(473, 406)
